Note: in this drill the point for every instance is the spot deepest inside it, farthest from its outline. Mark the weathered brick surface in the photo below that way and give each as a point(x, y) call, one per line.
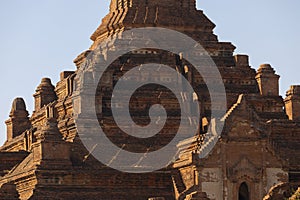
point(44, 158)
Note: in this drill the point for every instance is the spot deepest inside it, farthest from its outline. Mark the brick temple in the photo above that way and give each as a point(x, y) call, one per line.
point(256, 156)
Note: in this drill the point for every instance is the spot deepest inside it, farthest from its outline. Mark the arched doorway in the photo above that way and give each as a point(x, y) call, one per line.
point(244, 192)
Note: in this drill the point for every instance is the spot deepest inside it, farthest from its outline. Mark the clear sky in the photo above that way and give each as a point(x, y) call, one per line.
point(42, 38)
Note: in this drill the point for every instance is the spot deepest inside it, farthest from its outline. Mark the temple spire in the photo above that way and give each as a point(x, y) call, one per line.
point(175, 14)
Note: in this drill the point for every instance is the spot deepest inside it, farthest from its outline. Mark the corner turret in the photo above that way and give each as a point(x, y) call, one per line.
point(292, 102)
point(267, 80)
point(45, 94)
point(18, 120)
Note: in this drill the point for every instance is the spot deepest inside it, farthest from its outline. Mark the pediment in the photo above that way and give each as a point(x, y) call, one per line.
point(244, 169)
point(242, 121)
point(243, 128)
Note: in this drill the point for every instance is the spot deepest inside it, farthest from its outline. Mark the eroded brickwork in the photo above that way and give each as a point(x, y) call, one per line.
point(43, 157)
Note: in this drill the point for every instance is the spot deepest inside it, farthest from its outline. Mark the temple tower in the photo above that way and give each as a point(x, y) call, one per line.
point(182, 16)
point(267, 80)
point(127, 14)
point(45, 94)
point(18, 120)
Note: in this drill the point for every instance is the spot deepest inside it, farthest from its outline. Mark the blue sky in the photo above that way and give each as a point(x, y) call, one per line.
point(42, 38)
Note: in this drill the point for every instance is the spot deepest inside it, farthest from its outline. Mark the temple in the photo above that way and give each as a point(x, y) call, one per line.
point(255, 157)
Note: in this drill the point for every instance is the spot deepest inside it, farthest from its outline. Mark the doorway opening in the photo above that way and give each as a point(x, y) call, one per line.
point(244, 192)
